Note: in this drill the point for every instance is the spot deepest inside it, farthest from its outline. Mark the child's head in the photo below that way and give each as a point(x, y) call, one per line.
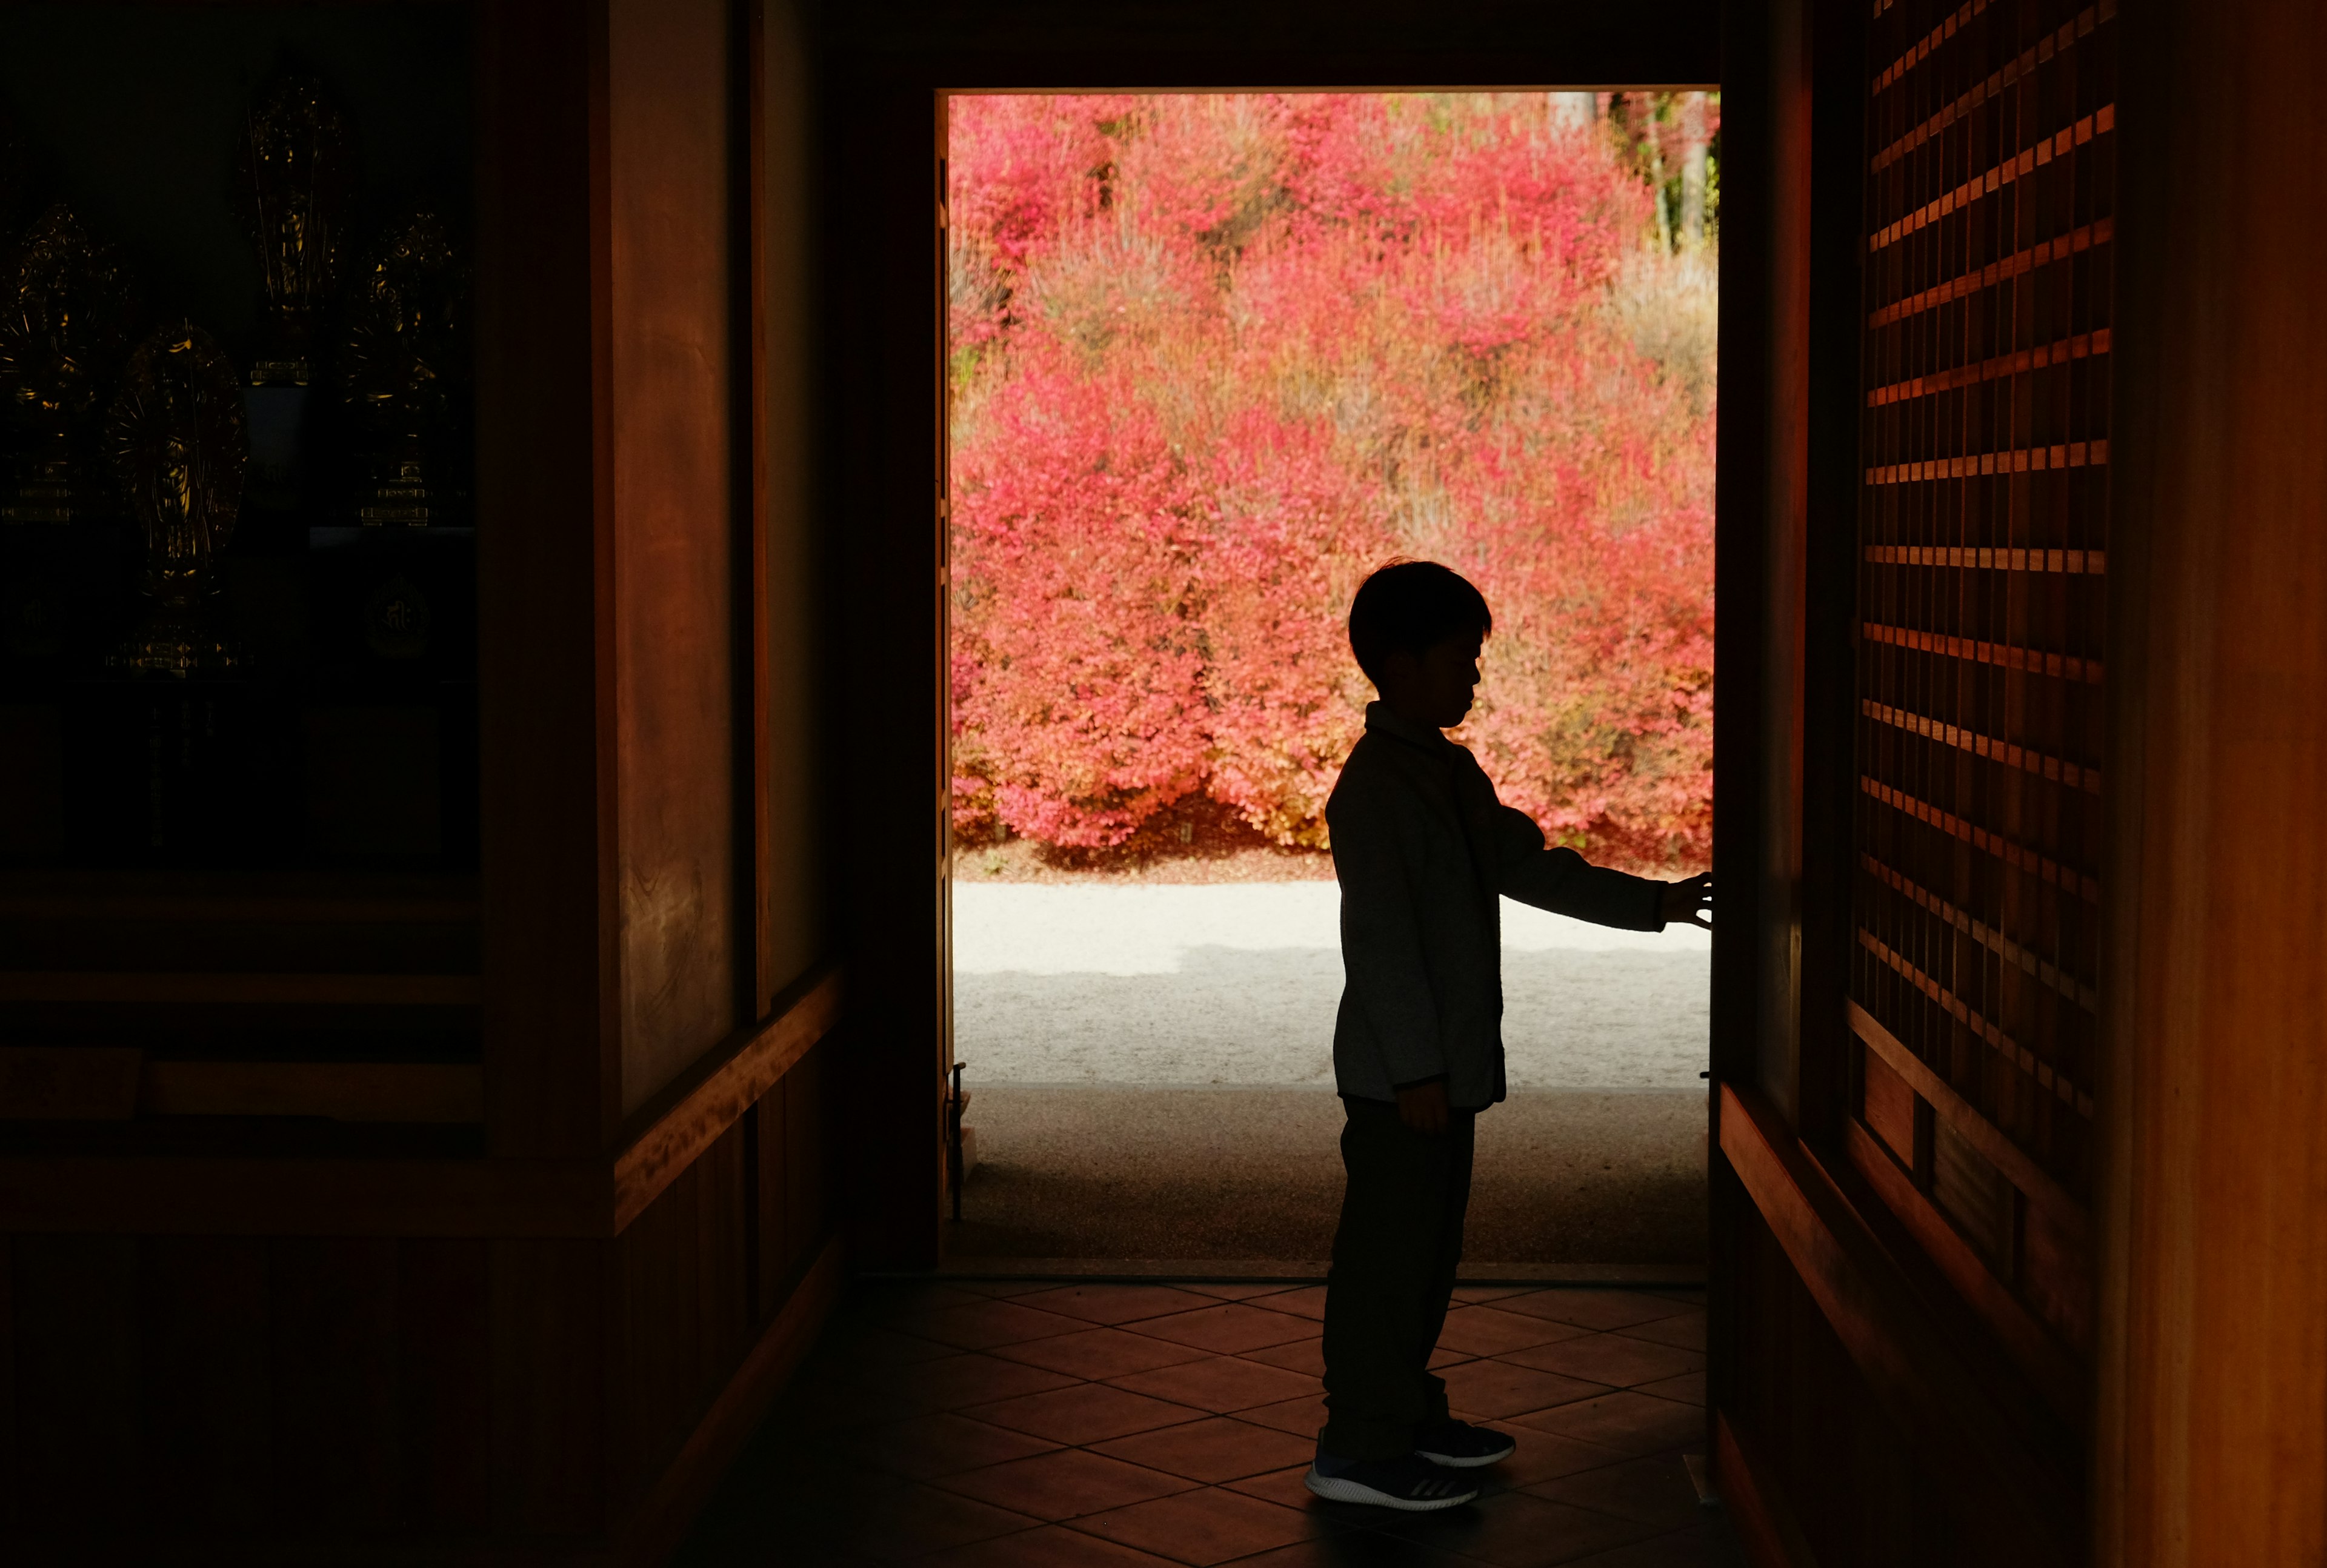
point(1417, 627)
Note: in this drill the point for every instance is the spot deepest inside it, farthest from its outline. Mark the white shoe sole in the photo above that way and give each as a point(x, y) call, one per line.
point(1454, 1463)
point(1341, 1490)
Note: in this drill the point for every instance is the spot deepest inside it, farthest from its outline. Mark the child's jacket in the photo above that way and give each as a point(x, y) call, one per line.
point(1422, 847)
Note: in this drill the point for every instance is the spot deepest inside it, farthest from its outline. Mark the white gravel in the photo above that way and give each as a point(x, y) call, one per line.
point(1237, 983)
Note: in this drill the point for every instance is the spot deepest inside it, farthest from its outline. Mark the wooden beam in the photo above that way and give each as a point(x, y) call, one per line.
point(358, 1091)
point(2009, 1491)
point(714, 1098)
point(156, 1196)
point(1977, 1130)
point(231, 989)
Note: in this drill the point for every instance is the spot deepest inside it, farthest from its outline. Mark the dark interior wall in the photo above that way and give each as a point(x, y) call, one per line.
point(131, 112)
point(670, 359)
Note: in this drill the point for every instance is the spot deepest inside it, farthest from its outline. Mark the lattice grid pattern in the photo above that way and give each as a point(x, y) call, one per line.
point(1982, 582)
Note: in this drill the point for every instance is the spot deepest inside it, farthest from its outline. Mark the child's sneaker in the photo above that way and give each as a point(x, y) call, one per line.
point(1412, 1483)
point(1461, 1445)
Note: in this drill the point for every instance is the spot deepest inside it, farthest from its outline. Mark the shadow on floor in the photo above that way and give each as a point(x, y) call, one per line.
point(1039, 1426)
point(1564, 1176)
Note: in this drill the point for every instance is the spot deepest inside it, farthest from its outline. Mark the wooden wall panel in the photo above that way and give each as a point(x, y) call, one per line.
point(2213, 1325)
point(670, 411)
point(79, 1449)
point(207, 1391)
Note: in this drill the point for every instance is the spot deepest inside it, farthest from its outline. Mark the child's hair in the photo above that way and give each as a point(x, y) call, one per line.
point(1412, 605)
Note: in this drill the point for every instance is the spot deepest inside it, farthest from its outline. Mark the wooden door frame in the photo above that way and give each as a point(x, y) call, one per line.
point(885, 93)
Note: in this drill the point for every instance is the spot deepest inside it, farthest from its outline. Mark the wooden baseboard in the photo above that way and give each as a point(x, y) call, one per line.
point(1757, 1508)
point(659, 1523)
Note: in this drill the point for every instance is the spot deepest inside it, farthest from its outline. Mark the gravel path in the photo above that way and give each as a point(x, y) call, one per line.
point(1237, 984)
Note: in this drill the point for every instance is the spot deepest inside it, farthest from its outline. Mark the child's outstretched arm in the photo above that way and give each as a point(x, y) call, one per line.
point(1565, 883)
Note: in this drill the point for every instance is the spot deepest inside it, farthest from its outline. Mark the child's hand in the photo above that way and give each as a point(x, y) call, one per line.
point(1690, 901)
point(1423, 1107)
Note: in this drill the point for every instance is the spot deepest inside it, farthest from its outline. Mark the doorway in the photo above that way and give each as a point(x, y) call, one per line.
point(1209, 360)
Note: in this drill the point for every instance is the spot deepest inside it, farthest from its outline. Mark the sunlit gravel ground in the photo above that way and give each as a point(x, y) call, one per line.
point(1237, 984)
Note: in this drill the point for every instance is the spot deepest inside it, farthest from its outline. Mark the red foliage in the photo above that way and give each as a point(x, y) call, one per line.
point(1216, 357)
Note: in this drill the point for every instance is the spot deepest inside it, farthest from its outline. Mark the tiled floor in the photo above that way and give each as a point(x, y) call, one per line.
point(1144, 1425)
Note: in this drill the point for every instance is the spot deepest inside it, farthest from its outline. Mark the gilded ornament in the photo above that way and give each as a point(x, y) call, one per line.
point(294, 181)
point(65, 309)
point(403, 359)
point(176, 436)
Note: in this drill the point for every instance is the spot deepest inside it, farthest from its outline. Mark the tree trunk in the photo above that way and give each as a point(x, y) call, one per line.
point(1695, 148)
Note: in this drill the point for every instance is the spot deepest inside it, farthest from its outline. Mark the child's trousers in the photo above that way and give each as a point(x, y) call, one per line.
point(1395, 1255)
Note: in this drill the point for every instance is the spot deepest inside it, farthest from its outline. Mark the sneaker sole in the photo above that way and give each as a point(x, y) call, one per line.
point(1467, 1462)
point(1341, 1490)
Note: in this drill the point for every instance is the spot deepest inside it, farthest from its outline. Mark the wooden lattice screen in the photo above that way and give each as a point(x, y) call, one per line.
point(1983, 521)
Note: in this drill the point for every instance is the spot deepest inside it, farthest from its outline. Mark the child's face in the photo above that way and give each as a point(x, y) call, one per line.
point(1435, 686)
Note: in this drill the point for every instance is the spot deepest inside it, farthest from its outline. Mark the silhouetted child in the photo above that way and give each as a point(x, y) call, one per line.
point(1423, 850)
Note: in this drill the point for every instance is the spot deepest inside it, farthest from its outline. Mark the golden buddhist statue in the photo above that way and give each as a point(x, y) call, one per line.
point(403, 357)
point(65, 308)
point(175, 434)
point(294, 184)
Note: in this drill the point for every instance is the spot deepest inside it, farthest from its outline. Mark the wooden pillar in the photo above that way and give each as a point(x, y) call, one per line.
point(2212, 1422)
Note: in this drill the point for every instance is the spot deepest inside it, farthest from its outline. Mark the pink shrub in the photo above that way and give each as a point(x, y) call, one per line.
point(1227, 355)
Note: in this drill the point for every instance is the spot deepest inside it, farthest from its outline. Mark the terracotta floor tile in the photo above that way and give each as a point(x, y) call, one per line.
point(1222, 1383)
point(1686, 1332)
point(1707, 1545)
point(872, 1344)
point(1211, 1451)
point(890, 1303)
point(1002, 1290)
point(1490, 1331)
point(1632, 1423)
point(1202, 1527)
point(1085, 1412)
point(936, 1445)
point(983, 1323)
point(1098, 1353)
point(1594, 1309)
point(1544, 1456)
point(1688, 1388)
point(1474, 1293)
point(1655, 1491)
point(959, 1381)
point(1230, 1328)
point(921, 1519)
point(1517, 1530)
point(1063, 1485)
point(1294, 1356)
point(1233, 1291)
point(1051, 1546)
point(1694, 1297)
point(1348, 1548)
point(1284, 1488)
point(1308, 1302)
point(1116, 1304)
point(1302, 1417)
point(1496, 1389)
point(1441, 1359)
point(1610, 1358)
